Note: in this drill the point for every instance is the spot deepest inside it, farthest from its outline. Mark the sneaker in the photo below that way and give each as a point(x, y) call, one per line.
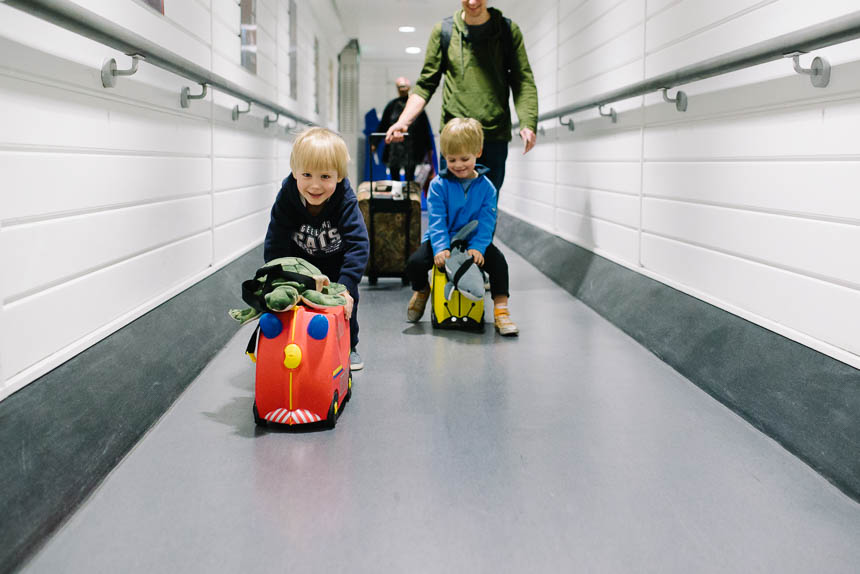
point(355, 362)
point(415, 310)
point(504, 325)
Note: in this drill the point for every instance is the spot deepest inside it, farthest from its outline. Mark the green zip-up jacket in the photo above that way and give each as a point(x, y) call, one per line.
point(476, 84)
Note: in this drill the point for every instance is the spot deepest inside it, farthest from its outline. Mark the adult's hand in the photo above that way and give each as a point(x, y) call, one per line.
point(396, 131)
point(529, 139)
point(413, 107)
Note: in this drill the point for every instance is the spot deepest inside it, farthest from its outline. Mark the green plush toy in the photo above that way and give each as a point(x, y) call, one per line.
point(281, 283)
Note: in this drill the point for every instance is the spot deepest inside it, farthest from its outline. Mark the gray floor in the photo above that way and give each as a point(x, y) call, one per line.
point(570, 449)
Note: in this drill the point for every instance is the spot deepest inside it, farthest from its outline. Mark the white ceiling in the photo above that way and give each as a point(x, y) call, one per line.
point(375, 23)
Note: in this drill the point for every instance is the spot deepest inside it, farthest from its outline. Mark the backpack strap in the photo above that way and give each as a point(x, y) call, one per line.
point(458, 244)
point(461, 271)
point(507, 44)
point(508, 48)
point(445, 40)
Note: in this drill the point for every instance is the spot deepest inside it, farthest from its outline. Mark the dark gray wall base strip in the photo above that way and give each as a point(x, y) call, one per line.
point(61, 434)
point(805, 400)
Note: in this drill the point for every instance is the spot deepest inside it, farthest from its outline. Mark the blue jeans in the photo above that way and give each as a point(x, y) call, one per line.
point(493, 156)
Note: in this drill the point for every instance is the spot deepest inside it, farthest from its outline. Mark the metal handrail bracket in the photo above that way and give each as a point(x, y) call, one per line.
point(110, 72)
point(185, 96)
point(792, 44)
point(267, 121)
point(72, 17)
point(610, 114)
point(680, 99)
point(237, 112)
point(818, 72)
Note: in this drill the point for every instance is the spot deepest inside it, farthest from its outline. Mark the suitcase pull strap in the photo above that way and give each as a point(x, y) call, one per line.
point(461, 271)
point(251, 349)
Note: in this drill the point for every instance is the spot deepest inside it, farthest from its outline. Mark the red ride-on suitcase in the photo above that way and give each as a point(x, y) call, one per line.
point(393, 223)
point(303, 373)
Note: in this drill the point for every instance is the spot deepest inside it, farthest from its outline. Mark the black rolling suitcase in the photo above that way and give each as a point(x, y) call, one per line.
point(393, 223)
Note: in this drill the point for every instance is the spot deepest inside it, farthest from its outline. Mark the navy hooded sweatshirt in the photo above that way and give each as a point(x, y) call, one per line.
point(335, 240)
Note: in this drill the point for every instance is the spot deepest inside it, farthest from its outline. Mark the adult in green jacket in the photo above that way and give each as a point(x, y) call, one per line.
point(477, 82)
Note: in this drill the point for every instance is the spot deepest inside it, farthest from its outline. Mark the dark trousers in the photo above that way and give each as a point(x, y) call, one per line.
point(493, 156)
point(495, 265)
point(408, 168)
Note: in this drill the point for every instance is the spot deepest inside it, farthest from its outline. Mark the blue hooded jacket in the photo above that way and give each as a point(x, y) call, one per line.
point(449, 208)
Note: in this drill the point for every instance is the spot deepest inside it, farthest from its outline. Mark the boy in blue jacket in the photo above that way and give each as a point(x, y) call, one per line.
point(316, 217)
point(459, 194)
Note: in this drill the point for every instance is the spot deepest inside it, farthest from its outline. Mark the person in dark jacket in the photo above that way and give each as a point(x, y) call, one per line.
point(413, 150)
point(316, 217)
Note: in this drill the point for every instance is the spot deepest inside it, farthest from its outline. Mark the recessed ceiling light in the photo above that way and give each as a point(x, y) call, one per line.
point(406, 29)
point(413, 50)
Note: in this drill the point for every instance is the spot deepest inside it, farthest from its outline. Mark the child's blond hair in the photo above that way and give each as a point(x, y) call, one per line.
point(462, 135)
point(319, 149)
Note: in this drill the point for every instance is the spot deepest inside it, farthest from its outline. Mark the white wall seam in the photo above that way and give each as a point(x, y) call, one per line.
point(255, 213)
point(101, 94)
point(597, 47)
point(12, 300)
point(211, 102)
point(755, 178)
point(593, 188)
point(757, 159)
point(710, 26)
point(593, 217)
point(850, 220)
point(603, 72)
point(92, 164)
point(668, 6)
point(24, 148)
point(753, 112)
point(20, 379)
point(595, 17)
point(11, 223)
point(853, 285)
point(837, 352)
point(186, 30)
point(642, 140)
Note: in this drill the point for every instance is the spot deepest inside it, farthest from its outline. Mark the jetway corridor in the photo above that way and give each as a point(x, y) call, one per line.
point(570, 448)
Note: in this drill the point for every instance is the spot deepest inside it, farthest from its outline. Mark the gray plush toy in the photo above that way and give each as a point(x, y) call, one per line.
point(463, 275)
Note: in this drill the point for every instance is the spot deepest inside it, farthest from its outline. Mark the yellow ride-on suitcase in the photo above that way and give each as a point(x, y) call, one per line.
point(456, 312)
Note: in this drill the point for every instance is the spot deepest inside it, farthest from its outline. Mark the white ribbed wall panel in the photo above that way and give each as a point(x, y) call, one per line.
point(748, 200)
point(114, 200)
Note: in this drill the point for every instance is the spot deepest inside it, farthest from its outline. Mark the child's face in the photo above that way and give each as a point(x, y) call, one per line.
point(317, 186)
point(461, 165)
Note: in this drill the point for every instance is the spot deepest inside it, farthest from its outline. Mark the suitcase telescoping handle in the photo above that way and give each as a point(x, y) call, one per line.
point(382, 134)
point(370, 214)
point(377, 135)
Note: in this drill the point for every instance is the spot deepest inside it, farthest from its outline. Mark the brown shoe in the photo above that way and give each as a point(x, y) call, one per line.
point(415, 310)
point(504, 325)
